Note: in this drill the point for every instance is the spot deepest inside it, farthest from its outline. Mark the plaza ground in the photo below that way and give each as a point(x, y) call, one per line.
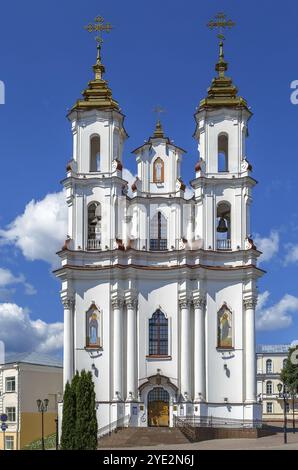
point(177, 441)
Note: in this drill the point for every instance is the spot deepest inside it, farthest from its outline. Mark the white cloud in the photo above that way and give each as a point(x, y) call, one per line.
point(21, 334)
point(41, 230)
point(292, 253)
point(277, 316)
point(268, 245)
point(8, 279)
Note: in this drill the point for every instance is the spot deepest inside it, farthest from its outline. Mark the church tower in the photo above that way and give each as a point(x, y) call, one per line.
point(159, 289)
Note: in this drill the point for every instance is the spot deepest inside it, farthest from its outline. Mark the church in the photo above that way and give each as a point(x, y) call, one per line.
point(159, 289)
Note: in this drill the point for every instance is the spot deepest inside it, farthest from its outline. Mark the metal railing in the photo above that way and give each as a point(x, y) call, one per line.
point(215, 422)
point(224, 244)
point(93, 244)
point(120, 423)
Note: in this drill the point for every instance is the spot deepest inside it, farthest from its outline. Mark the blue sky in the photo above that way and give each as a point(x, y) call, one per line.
point(160, 52)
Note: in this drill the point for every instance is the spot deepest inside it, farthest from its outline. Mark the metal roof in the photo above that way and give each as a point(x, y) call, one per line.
point(33, 358)
point(273, 348)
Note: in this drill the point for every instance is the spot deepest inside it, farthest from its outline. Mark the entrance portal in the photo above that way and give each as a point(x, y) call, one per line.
point(158, 407)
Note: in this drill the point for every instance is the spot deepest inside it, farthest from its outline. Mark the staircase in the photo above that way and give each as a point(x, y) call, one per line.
point(134, 437)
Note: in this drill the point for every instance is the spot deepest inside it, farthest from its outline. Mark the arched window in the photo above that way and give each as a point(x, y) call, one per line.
point(223, 228)
point(269, 368)
point(93, 327)
point(158, 171)
point(94, 226)
point(224, 328)
point(158, 232)
point(223, 152)
point(158, 334)
point(95, 153)
point(269, 387)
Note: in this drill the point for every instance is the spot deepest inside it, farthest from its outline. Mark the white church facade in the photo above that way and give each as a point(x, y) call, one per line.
point(159, 291)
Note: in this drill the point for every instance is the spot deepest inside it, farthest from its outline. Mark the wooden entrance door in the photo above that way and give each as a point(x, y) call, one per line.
point(158, 407)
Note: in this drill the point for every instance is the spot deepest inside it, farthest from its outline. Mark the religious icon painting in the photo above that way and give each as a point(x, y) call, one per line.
point(224, 328)
point(93, 318)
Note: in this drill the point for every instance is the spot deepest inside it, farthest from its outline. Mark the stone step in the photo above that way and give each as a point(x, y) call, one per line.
point(131, 437)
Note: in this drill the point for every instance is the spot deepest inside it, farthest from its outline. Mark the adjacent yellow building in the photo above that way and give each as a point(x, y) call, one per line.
point(25, 378)
point(270, 361)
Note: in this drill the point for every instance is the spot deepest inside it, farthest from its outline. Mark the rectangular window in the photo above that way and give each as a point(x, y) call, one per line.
point(9, 442)
point(10, 384)
point(11, 413)
point(269, 407)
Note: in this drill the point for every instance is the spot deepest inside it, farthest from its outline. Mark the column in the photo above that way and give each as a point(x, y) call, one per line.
point(199, 349)
point(68, 347)
point(117, 305)
point(185, 364)
point(250, 350)
point(131, 349)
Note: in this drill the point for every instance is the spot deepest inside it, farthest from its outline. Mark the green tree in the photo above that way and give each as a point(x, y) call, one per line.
point(289, 374)
point(86, 421)
point(68, 436)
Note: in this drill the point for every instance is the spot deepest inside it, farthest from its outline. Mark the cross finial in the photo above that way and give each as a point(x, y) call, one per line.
point(158, 110)
point(98, 27)
point(221, 23)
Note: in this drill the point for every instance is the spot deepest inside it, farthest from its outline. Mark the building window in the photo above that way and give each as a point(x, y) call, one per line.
point(11, 413)
point(95, 153)
point(9, 442)
point(158, 232)
point(269, 367)
point(223, 152)
point(224, 328)
point(269, 387)
point(158, 171)
point(94, 226)
point(92, 327)
point(10, 384)
point(284, 363)
point(269, 407)
point(223, 226)
point(158, 334)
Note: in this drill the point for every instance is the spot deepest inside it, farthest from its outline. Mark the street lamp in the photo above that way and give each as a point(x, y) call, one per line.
point(284, 394)
point(42, 406)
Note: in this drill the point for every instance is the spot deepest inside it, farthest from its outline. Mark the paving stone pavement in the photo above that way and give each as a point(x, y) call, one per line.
point(274, 442)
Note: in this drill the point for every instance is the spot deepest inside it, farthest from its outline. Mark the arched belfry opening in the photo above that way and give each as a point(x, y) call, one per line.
point(223, 152)
point(223, 226)
point(94, 226)
point(95, 153)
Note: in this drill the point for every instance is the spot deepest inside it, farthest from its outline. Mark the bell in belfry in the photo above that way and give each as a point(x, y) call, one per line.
point(222, 225)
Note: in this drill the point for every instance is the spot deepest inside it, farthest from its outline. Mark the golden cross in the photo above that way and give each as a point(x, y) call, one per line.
point(158, 110)
point(99, 27)
point(221, 23)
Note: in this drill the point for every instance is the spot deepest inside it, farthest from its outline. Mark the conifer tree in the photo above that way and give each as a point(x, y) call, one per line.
point(86, 421)
point(68, 436)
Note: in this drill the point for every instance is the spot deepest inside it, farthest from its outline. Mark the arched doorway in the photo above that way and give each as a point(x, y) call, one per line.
point(158, 407)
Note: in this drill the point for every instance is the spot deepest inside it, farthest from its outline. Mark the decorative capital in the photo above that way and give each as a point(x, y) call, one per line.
point(131, 304)
point(68, 302)
point(117, 303)
point(199, 301)
point(184, 303)
point(250, 303)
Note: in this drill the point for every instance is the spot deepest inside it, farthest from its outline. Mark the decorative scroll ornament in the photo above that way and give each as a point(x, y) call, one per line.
point(245, 165)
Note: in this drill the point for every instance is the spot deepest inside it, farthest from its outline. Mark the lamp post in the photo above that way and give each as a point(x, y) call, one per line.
point(42, 406)
point(284, 394)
